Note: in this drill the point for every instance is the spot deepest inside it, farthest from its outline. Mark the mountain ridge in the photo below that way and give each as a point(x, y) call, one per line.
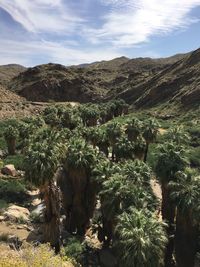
point(144, 82)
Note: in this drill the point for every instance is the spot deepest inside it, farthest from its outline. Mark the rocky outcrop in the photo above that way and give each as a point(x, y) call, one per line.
point(144, 82)
point(17, 214)
point(9, 170)
point(91, 82)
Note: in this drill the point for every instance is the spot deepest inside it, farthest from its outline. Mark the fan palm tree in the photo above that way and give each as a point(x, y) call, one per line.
point(150, 132)
point(133, 129)
point(178, 135)
point(103, 142)
point(139, 148)
point(123, 149)
point(113, 132)
point(118, 193)
point(186, 194)
point(138, 172)
point(52, 118)
point(10, 134)
point(80, 203)
point(121, 107)
point(41, 163)
point(171, 159)
point(89, 114)
point(140, 239)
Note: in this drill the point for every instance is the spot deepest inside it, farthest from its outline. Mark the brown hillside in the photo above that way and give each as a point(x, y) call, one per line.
point(7, 72)
point(144, 82)
point(179, 82)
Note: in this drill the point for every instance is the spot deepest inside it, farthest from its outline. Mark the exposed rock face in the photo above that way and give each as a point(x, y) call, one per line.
point(86, 83)
point(144, 82)
point(7, 72)
point(15, 213)
point(178, 83)
point(9, 170)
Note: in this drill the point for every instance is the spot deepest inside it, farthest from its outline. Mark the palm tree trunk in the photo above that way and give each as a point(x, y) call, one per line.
point(168, 215)
point(146, 152)
point(52, 202)
point(186, 239)
point(11, 144)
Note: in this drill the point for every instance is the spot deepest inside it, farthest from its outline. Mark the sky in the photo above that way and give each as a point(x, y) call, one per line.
point(73, 32)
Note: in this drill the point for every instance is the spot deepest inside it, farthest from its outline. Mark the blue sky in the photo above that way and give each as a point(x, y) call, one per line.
point(79, 31)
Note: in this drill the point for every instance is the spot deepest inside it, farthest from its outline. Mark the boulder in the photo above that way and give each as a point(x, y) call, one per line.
point(2, 218)
point(9, 170)
point(17, 214)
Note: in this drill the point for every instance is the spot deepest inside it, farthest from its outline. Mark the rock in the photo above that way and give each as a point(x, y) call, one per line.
point(9, 170)
point(17, 214)
point(1, 154)
point(2, 218)
point(14, 242)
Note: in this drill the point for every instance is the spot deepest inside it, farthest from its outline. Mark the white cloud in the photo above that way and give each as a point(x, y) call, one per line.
point(131, 22)
point(41, 15)
point(26, 53)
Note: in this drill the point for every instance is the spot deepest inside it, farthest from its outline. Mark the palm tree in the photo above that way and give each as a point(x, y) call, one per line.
point(103, 142)
point(10, 134)
point(113, 132)
point(50, 116)
point(140, 239)
point(178, 135)
point(41, 163)
point(138, 172)
point(80, 202)
point(121, 107)
point(186, 194)
point(92, 135)
point(118, 193)
point(171, 159)
point(110, 198)
point(133, 129)
point(139, 148)
point(123, 149)
point(150, 132)
point(89, 114)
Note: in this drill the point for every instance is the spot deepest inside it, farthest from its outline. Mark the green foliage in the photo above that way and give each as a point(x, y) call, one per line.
point(141, 239)
point(80, 155)
point(186, 193)
point(12, 190)
point(11, 132)
point(171, 158)
point(16, 160)
point(75, 249)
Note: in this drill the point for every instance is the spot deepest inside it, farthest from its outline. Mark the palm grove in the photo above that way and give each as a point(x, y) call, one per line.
point(83, 155)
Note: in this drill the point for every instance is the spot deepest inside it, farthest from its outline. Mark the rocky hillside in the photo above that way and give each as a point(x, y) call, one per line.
point(90, 82)
point(144, 82)
point(8, 96)
point(179, 83)
point(7, 72)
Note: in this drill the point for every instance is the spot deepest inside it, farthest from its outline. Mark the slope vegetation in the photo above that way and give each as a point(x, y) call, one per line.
point(144, 82)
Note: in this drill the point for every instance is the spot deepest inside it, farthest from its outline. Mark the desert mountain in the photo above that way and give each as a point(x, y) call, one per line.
point(7, 72)
point(8, 96)
point(179, 82)
point(140, 81)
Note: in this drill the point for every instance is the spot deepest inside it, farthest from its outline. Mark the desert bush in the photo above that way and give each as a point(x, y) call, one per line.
point(12, 190)
point(29, 255)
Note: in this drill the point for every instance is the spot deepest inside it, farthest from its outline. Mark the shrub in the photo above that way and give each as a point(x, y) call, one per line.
point(12, 190)
point(29, 255)
point(75, 249)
